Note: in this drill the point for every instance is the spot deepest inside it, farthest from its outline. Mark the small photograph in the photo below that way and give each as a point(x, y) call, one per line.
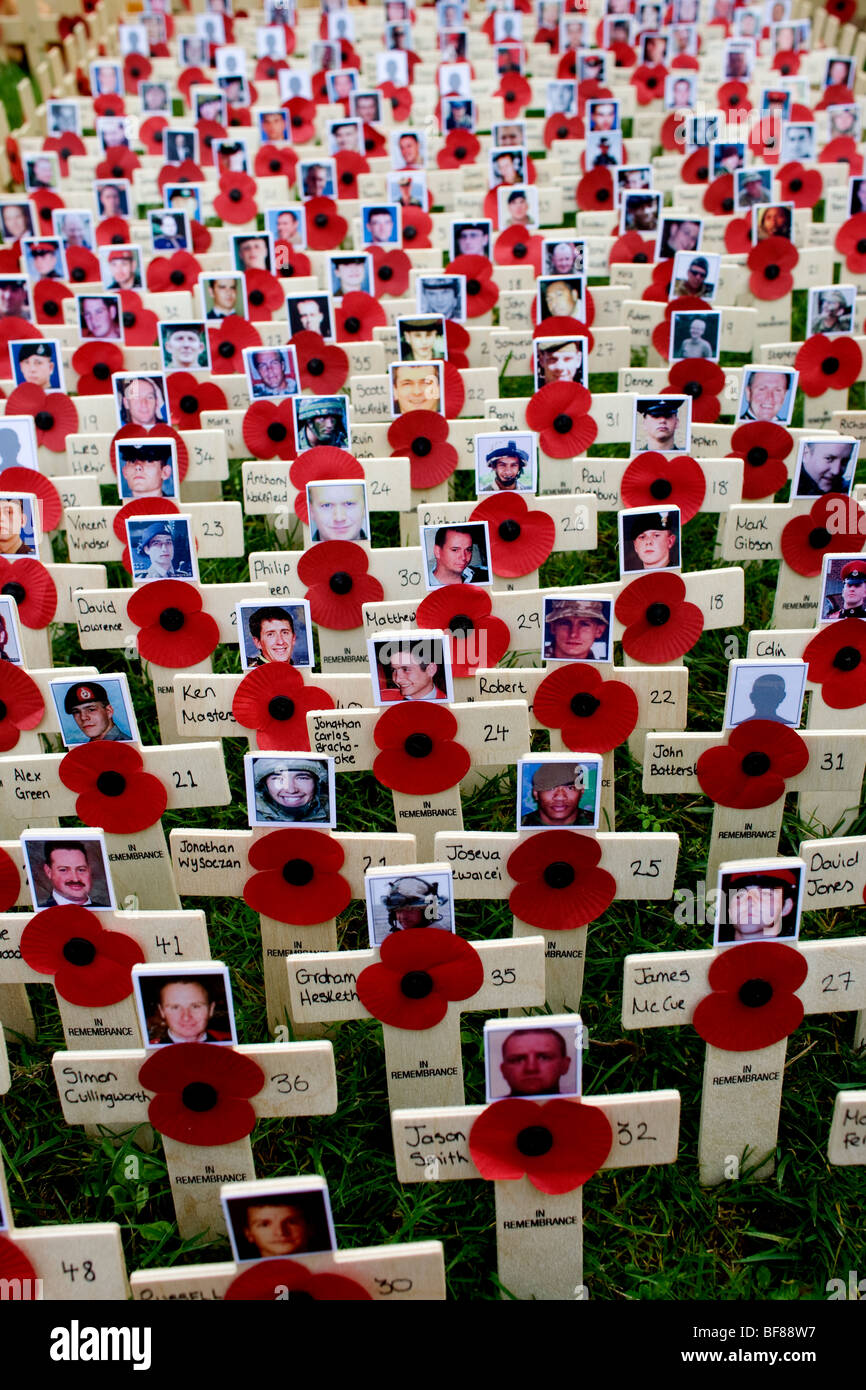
point(367, 106)
point(192, 1005)
point(341, 84)
point(416, 386)
point(856, 196)
point(539, 1058)
point(311, 313)
point(236, 90)
point(508, 133)
point(271, 41)
point(132, 38)
point(678, 234)
point(727, 156)
point(274, 127)
point(832, 309)
point(252, 252)
point(423, 898)
point(776, 103)
point(62, 118)
point(16, 219)
point(603, 149)
point(338, 511)
point(161, 548)
point(210, 28)
point(592, 66)
point(680, 91)
point(185, 198)
point(209, 104)
point(752, 186)
point(649, 540)
point(506, 464)
point(701, 131)
point(346, 135)
point(843, 120)
point(653, 48)
point(18, 443)
point(578, 629)
point(507, 167)
point(748, 23)
point(231, 60)
point(74, 228)
point(114, 132)
point(106, 79)
point(408, 150)
point(36, 362)
point(759, 900)
point(768, 394)
point(43, 258)
point(560, 359)
point(843, 587)
point(556, 790)
point(68, 868)
point(94, 711)
point(295, 82)
point(695, 335)
point(696, 276)
point(826, 464)
point(410, 666)
point(409, 190)
point(772, 219)
point(618, 28)
point(455, 80)
point(231, 157)
point(321, 420)
point(686, 11)
point(275, 632)
point(287, 225)
point(509, 58)
point(194, 51)
point(155, 98)
point(507, 26)
point(317, 178)
point(380, 224)
point(458, 114)
point(456, 554)
point(839, 72)
point(147, 468)
point(15, 302)
point(278, 1218)
point(565, 257)
point(180, 145)
point(662, 424)
point(10, 635)
point(452, 45)
point(421, 338)
point(350, 273)
point(120, 267)
point(471, 238)
point(632, 178)
point(561, 99)
point(112, 197)
point(290, 788)
point(771, 690)
point(222, 296)
point(640, 212)
point(738, 60)
point(799, 141)
point(184, 346)
point(140, 400)
point(20, 531)
point(398, 37)
point(602, 114)
point(561, 296)
point(393, 66)
point(572, 33)
point(271, 372)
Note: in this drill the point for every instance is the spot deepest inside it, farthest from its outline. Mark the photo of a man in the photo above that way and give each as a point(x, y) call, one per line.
point(410, 667)
point(93, 713)
point(825, 465)
point(760, 902)
point(661, 424)
point(649, 540)
point(505, 465)
point(558, 793)
point(577, 629)
point(768, 395)
point(537, 1058)
point(67, 871)
point(449, 552)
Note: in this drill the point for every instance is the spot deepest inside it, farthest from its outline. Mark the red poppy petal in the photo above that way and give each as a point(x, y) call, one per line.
point(269, 1280)
point(230, 1119)
point(582, 1142)
point(10, 881)
point(16, 1270)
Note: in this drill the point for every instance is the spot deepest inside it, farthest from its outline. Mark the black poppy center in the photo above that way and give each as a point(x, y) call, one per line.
point(830, 365)
point(199, 1096)
point(509, 530)
point(257, 297)
point(369, 145)
point(795, 185)
point(117, 171)
point(757, 456)
point(727, 205)
point(297, 122)
point(117, 239)
point(340, 583)
point(658, 614)
point(534, 1141)
point(79, 951)
point(819, 536)
point(734, 99)
point(386, 272)
point(321, 219)
point(315, 366)
point(352, 325)
point(189, 405)
point(461, 622)
point(473, 287)
point(274, 167)
point(101, 371)
point(772, 272)
point(562, 424)
point(460, 152)
point(421, 447)
point(602, 195)
point(418, 745)
point(410, 233)
point(562, 133)
point(171, 620)
point(652, 83)
point(226, 349)
point(45, 214)
point(235, 195)
point(276, 432)
point(44, 420)
point(509, 96)
point(176, 277)
point(847, 659)
point(754, 994)
point(660, 488)
point(861, 246)
point(15, 590)
point(583, 704)
point(51, 308)
point(519, 250)
point(4, 710)
point(641, 258)
point(128, 322)
point(281, 707)
point(416, 984)
point(756, 763)
point(158, 137)
point(702, 174)
point(347, 178)
point(558, 874)
point(111, 783)
point(298, 872)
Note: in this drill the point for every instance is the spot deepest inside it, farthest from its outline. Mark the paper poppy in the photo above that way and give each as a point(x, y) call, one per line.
point(91, 966)
point(10, 881)
point(64, 146)
point(419, 754)
point(33, 589)
point(390, 272)
point(235, 203)
point(82, 265)
point(265, 294)
point(48, 297)
point(208, 133)
point(454, 392)
point(139, 324)
point(521, 538)
point(12, 328)
point(418, 974)
point(337, 583)
point(357, 316)
point(120, 163)
point(349, 165)
point(201, 1093)
point(188, 397)
point(763, 447)
point(648, 81)
point(173, 628)
point(464, 613)
point(719, 195)
point(17, 1272)
point(302, 116)
point(632, 249)
point(13, 155)
point(273, 700)
point(558, 884)
point(749, 771)
point(836, 659)
point(94, 362)
point(47, 202)
point(696, 169)
point(594, 192)
point(843, 10)
point(417, 226)
point(558, 127)
point(227, 343)
point(702, 381)
point(592, 714)
point(828, 364)
point(460, 147)
point(557, 1144)
point(457, 341)
point(375, 143)
point(771, 263)
point(422, 435)
point(805, 540)
point(323, 463)
point(185, 172)
point(323, 367)
point(842, 150)
point(519, 246)
point(269, 429)
point(516, 94)
point(398, 98)
point(660, 625)
point(269, 69)
point(114, 790)
point(54, 414)
point(273, 160)
point(325, 227)
point(179, 271)
point(800, 186)
point(558, 414)
point(152, 134)
point(653, 478)
point(109, 104)
point(752, 1004)
point(738, 235)
point(136, 68)
point(298, 882)
point(273, 1279)
point(850, 241)
point(482, 291)
point(21, 704)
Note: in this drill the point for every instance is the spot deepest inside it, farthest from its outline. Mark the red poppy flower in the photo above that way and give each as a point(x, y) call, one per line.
point(119, 164)
point(112, 231)
point(189, 78)
point(417, 226)
point(188, 397)
point(416, 977)
point(235, 203)
point(594, 192)
point(136, 68)
point(457, 340)
point(274, 159)
point(390, 272)
point(273, 701)
point(763, 447)
point(558, 885)
point(10, 882)
point(399, 99)
point(518, 246)
point(48, 297)
point(163, 432)
point(632, 249)
point(152, 134)
point(54, 414)
point(752, 1004)
point(738, 235)
point(843, 10)
point(324, 367)
point(464, 614)
point(771, 263)
point(31, 586)
point(337, 582)
point(558, 413)
point(660, 625)
point(557, 1144)
point(750, 770)
point(357, 316)
point(835, 657)
point(20, 479)
point(269, 1281)
point(461, 147)
point(21, 703)
point(302, 116)
point(139, 324)
point(185, 172)
point(46, 201)
point(482, 291)
point(696, 169)
point(593, 715)
point(787, 63)
point(521, 538)
point(269, 430)
point(82, 265)
point(320, 464)
point(375, 143)
point(268, 69)
point(648, 81)
point(91, 966)
point(265, 294)
point(349, 165)
point(179, 271)
point(208, 133)
point(299, 883)
point(802, 187)
point(842, 150)
point(702, 381)
point(325, 227)
point(419, 754)
point(228, 341)
point(562, 128)
point(64, 146)
point(16, 1270)
point(590, 90)
point(828, 364)
point(173, 628)
point(201, 1093)
point(422, 435)
point(805, 540)
point(290, 261)
point(719, 195)
point(516, 94)
point(12, 328)
point(115, 792)
point(653, 478)
point(13, 155)
point(851, 242)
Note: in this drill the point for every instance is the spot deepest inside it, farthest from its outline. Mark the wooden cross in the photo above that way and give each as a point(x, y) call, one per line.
point(836, 878)
point(847, 1142)
point(539, 1237)
point(422, 1065)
